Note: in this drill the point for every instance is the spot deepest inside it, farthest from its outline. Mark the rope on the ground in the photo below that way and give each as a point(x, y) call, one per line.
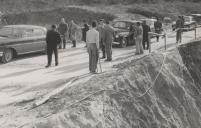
point(153, 83)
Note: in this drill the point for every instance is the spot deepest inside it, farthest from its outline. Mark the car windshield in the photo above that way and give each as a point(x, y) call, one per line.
point(120, 25)
point(5, 32)
point(187, 19)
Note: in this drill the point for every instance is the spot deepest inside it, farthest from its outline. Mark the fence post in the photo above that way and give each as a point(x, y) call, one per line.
point(195, 32)
point(149, 42)
point(181, 32)
point(165, 38)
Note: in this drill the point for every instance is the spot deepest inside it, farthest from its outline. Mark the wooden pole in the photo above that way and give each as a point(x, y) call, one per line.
point(149, 42)
point(181, 32)
point(165, 38)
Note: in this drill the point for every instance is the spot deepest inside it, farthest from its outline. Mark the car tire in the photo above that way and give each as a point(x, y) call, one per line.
point(123, 43)
point(7, 55)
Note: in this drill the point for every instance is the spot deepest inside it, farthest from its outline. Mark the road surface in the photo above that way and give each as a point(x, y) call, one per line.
point(26, 78)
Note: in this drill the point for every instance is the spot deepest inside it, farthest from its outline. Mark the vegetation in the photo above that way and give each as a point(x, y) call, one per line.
point(165, 9)
point(53, 16)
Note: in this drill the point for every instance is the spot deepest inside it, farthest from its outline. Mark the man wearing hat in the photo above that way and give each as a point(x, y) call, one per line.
point(179, 26)
point(101, 37)
point(108, 38)
point(53, 39)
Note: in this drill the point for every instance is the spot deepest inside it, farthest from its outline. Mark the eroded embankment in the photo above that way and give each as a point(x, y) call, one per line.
point(173, 102)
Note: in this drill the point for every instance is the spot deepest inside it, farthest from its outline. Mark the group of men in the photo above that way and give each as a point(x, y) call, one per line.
point(99, 36)
point(56, 37)
point(141, 35)
point(67, 31)
point(96, 36)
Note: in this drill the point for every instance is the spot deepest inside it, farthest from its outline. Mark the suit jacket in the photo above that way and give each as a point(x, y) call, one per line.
point(53, 38)
point(101, 32)
point(63, 28)
point(146, 30)
point(109, 33)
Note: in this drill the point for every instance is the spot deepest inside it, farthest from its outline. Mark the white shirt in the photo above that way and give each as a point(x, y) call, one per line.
point(93, 37)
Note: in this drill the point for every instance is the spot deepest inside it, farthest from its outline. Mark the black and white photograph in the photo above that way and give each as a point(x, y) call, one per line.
point(100, 63)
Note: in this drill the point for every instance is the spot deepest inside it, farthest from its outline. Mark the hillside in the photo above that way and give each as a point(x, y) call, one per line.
point(39, 11)
point(7, 6)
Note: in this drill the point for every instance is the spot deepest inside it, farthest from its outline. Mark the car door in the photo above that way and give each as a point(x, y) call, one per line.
point(39, 41)
point(34, 39)
point(16, 41)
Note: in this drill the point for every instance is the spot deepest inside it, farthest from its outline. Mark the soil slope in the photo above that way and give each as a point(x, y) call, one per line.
point(118, 99)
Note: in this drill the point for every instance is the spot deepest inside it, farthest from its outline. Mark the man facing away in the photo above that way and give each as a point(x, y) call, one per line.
point(109, 33)
point(138, 37)
point(158, 28)
point(146, 30)
point(53, 39)
point(101, 35)
point(179, 26)
point(84, 31)
point(63, 28)
point(92, 40)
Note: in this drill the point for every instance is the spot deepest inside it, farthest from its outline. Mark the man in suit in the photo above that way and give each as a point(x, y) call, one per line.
point(146, 30)
point(53, 39)
point(179, 26)
point(101, 35)
point(158, 28)
point(84, 31)
point(139, 37)
point(63, 28)
point(73, 28)
point(109, 33)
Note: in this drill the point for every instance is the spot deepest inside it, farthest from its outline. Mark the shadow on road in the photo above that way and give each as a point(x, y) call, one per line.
point(19, 73)
point(26, 56)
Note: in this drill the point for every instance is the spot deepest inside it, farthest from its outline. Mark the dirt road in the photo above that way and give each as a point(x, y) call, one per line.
point(26, 78)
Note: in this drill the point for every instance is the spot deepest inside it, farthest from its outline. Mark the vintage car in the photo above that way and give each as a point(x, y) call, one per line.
point(189, 22)
point(21, 39)
point(122, 36)
point(197, 18)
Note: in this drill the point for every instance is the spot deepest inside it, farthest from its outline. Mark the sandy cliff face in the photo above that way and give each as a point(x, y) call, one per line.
point(113, 100)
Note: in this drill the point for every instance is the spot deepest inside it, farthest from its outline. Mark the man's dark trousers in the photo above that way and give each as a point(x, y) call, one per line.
point(145, 42)
point(102, 48)
point(64, 41)
point(50, 51)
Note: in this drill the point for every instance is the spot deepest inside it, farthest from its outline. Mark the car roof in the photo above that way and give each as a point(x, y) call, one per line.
point(131, 21)
point(24, 26)
point(147, 19)
point(196, 14)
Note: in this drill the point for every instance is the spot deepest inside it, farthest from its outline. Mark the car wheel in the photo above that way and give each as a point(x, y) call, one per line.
point(7, 55)
point(123, 43)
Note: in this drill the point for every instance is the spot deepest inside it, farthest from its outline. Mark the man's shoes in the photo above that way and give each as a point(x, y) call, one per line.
point(108, 60)
point(102, 57)
point(56, 64)
point(93, 72)
point(47, 66)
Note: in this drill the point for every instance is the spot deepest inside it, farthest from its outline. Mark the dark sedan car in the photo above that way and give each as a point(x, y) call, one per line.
point(21, 39)
point(123, 33)
point(189, 22)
